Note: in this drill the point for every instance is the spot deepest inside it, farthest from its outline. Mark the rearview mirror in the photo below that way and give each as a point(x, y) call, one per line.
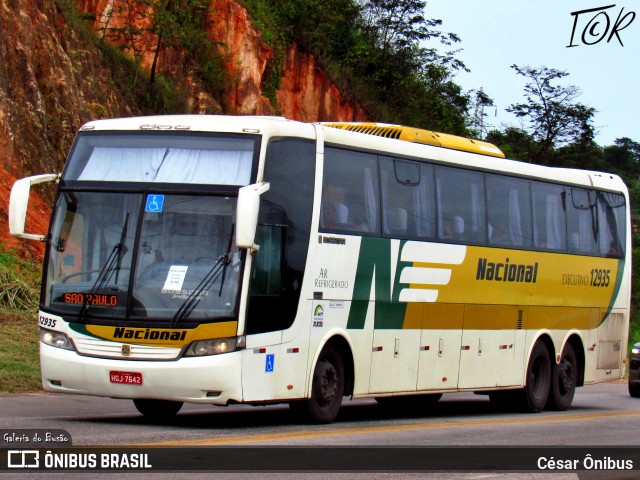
point(247, 215)
point(19, 202)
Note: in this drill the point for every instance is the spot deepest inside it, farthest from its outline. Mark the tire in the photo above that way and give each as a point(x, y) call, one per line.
point(157, 409)
point(533, 398)
point(563, 380)
point(327, 389)
point(634, 389)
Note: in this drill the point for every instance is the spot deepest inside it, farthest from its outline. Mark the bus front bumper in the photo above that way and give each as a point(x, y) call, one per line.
point(214, 379)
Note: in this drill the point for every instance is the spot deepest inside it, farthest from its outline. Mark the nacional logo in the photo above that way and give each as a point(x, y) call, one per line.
point(424, 282)
point(148, 334)
point(506, 272)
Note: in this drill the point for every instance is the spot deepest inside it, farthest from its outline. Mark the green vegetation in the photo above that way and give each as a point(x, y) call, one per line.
point(19, 294)
point(177, 25)
point(373, 52)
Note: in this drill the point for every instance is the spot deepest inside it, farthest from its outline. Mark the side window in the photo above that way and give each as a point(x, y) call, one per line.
point(611, 224)
point(408, 199)
point(350, 198)
point(581, 221)
point(283, 235)
point(461, 205)
point(508, 212)
point(549, 217)
point(267, 269)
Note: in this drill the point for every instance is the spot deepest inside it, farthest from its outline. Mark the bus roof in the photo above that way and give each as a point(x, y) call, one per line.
point(413, 142)
point(418, 135)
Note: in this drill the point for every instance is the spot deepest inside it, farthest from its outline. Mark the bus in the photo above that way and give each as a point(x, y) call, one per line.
point(257, 260)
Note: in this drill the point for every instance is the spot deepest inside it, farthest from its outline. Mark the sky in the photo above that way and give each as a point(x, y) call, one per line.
point(496, 34)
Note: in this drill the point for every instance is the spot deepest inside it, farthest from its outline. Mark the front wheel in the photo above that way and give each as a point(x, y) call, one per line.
point(563, 380)
point(634, 389)
point(157, 409)
point(327, 389)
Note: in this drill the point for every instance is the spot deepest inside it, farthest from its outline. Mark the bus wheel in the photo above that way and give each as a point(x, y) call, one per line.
point(533, 397)
point(327, 388)
point(563, 380)
point(157, 409)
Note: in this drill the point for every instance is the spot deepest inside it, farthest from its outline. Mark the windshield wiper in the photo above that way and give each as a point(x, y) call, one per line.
point(111, 265)
point(198, 293)
point(218, 269)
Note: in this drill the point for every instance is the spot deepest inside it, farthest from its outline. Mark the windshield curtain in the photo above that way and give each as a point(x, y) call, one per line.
point(104, 260)
point(161, 158)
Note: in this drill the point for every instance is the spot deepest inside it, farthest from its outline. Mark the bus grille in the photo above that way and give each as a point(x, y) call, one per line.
point(100, 348)
point(388, 131)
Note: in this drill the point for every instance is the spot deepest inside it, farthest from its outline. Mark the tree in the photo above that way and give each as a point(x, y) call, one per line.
point(477, 122)
point(398, 24)
point(412, 81)
point(514, 142)
point(177, 24)
point(553, 115)
point(623, 157)
point(128, 34)
point(154, 25)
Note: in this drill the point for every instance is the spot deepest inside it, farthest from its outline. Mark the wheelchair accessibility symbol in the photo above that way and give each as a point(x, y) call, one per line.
point(154, 203)
point(269, 363)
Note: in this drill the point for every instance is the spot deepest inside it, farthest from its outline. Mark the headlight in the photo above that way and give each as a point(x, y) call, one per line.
point(635, 350)
point(55, 339)
point(214, 346)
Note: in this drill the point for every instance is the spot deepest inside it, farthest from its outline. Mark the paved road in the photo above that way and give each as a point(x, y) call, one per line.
point(601, 415)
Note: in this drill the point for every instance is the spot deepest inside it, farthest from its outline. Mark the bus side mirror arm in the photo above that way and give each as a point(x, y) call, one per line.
point(19, 202)
point(247, 215)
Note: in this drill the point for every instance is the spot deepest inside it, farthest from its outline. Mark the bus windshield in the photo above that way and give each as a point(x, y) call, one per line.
point(178, 261)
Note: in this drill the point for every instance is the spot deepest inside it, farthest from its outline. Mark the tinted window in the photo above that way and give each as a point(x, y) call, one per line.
point(350, 193)
point(549, 218)
point(508, 212)
point(461, 205)
point(283, 235)
point(611, 224)
point(408, 198)
point(581, 221)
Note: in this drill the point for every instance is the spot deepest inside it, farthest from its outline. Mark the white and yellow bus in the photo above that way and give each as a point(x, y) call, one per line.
point(219, 260)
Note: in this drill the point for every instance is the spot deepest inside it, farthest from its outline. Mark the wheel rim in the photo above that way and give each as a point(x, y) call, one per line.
point(567, 376)
point(327, 383)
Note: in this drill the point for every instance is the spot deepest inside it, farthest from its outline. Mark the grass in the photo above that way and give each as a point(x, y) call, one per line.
point(19, 294)
point(19, 362)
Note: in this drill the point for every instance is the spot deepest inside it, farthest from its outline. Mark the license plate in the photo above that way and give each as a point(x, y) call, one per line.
point(127, 378)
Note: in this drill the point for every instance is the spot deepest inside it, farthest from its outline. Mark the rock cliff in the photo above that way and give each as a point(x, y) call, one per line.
point(52, 80)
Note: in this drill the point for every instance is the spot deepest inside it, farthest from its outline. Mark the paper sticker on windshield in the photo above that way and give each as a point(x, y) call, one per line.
point(154, 203)
point(175, 278)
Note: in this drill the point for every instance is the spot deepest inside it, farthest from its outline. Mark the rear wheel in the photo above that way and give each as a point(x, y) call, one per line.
point(535, 394)
point(157, 409)
point(327, 389)
point(563, 380)
point(634, 389)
